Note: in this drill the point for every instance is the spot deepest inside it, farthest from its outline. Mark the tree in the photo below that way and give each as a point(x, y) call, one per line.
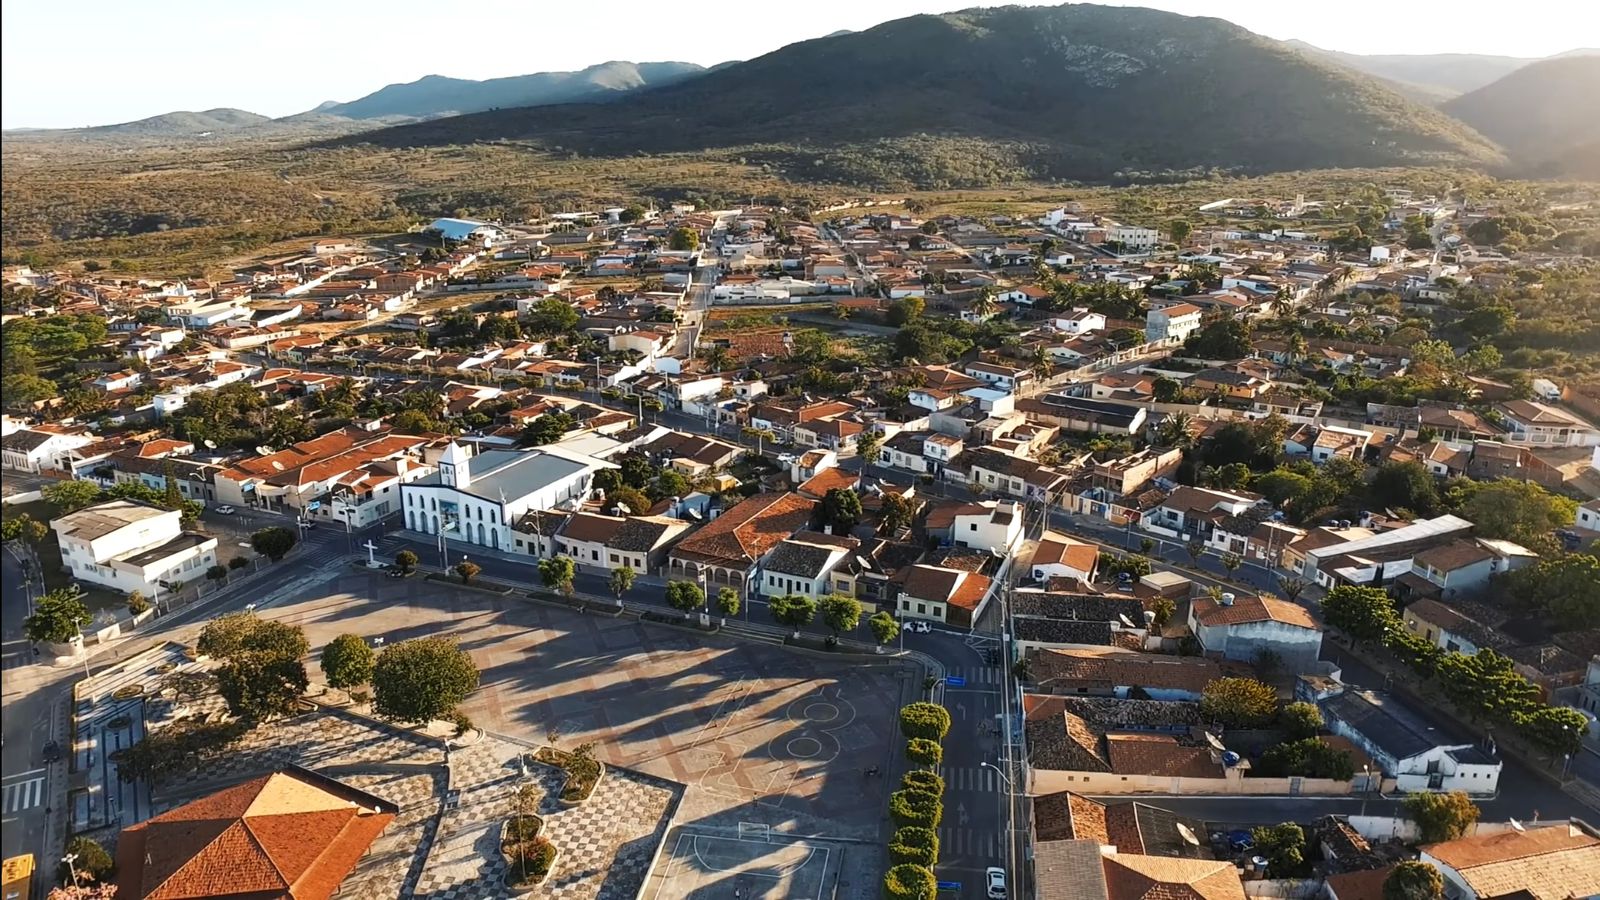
point(1163, 607)
point(1486, 684)
point(1564, 586)
point(1307, 757)
point(793, 610)
point(467, 570)
point(90, 862)
point(840, 612)
point(260, 685)
point(273, 543)
point(547, 429)
point(1196, 549)
point(924, 752)
point(1231, 562)
point(1520, 511)
point(684, 238)
point(138, 603)
point(347, 661)
point(898, 512)
point(924, 720)
point(177, 748)
point(904, 311)
point(1413, 879)
point(632, 499)
point(58, 617)
point(25, 389)
point(1300, 720)
point(1363, 613)
point(1557, 730)
point(685, 596)
point(1222, 339)
point(884, 628)
point(1167, 390)
point(236, 634)
point(70, 496)
point(83, 892)
point(557, 573)
point(1404, 485)
point(914, 845)
point(1239, 702)
point(1281, 486)
point(1291, 587)
point(915, 807)
point(841, 509)
point(406, 560)
point(1442, 816)
point(907, 881)
point(868, 445)
point(1179, 230)
point(216, 573)
point(1283, 845)
point(422, 679)
point(621, 580)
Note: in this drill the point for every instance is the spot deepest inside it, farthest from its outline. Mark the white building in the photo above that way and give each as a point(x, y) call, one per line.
point(993, 525)
point(1133, 237)
point(128, 546)
point(1243, 628)
point(1079, 321)
point(1173, 323)
point(1406, 748)
point(1058, 556)
point(468, 231)
point(803, 565)
point(27, 450)
point(478, 499)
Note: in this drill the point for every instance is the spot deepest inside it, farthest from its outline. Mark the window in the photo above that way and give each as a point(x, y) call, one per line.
point(493, 517)
point(519, 543)
point(973, 527)
point(596, 554)
point(614, 558)
point(922, 608)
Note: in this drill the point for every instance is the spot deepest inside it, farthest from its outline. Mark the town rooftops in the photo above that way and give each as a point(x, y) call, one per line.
point(1068, 671)
point(1135, 876)
point(1540, 414)
point(1555, 862)
point(95, 522)
point(744, 533)
point(1129, 826)
point(802, 558)
point(1457, 554)
point(1395, 730)
point(1058, 549)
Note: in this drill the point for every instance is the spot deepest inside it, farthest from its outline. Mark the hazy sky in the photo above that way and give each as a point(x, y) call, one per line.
point(67, 63)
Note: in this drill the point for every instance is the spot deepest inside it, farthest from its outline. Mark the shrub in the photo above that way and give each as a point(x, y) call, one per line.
point(922, 780)
point(91, 862)
point(462, 721)
point(925, 720)
point(1239, 702)
point(238, 562)
point(915, 845)
point(138, 603)
point(916, 808)
point(529, 862)
point(924, 752)
point(1300, 720)
point(909, 882)
point(583, 772)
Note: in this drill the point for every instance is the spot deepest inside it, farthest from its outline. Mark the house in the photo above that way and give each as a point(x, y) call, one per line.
point(936, 593)
point(1055, 620)
point(1085, 870)
point(1461, 567)
point(812, 463)
point(1193, 511)
point(1534, 862)
point(1058, 556)
point(1117, 386)
point(298, 476)
point(602, 543)
point(196, 480)
point(1369, 558)
point(1131, 473)
point(477, 499)
point(1247, 628)
point(291, 834)
point(1105, 745)
point(128, 546)
point(38, 450)
point(467, 231)
point(1404, 746)
point(993, 525)
point(1079, 322)
point(1528, 422)
point(1083, 414)
point(1229, 383)
point(805, 564)
point(1126, 826)
point(730, 547)
point(1006, 378)
point(1588, 517)
point(1171, 323)
point(1014, 476)
point(1114, 672)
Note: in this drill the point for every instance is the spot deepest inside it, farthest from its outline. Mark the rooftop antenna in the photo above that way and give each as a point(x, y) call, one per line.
point(1215, 742)
point(1517, 826)
point(1188, 835)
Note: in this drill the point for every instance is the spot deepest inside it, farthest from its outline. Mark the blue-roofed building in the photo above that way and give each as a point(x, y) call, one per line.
point(467, 231)
point(477, 499)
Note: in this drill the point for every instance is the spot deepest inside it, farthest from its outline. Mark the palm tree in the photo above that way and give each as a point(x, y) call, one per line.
point(983, 305)
point(1040, 364)
point(718, 357)
point(1297, 348)
point(1174, 431)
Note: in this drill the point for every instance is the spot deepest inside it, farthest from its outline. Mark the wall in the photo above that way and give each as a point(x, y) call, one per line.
point(1049, 781)
point(1296, 647)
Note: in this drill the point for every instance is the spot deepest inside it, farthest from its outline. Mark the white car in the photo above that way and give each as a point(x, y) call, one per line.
point(917, 626)
point(223, 510)
point(995, 878)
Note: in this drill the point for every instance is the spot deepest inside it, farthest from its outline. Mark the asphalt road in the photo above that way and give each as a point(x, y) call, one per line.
point(25, 726)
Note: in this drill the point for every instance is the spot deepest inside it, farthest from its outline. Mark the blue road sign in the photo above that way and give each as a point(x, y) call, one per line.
point(949, 885)
point(955, 681)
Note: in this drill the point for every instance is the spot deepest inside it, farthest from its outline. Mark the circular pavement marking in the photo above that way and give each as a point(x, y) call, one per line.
point(804, 747)
point(820, 712)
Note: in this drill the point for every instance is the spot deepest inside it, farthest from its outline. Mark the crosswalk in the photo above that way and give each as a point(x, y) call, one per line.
point(957, 842)
point(970, 778)
point(978, 676)
point(22, 791)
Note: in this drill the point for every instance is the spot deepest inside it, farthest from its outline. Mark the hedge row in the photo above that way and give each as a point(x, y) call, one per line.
point(918, 806)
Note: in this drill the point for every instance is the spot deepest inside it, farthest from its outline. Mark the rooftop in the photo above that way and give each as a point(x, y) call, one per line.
point(95, 522)
point(1549, 863)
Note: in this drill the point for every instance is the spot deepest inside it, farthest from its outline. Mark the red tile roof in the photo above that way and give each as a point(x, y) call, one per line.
point(743, 534)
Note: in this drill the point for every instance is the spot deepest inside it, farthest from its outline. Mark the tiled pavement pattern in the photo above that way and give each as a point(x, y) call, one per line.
point(606, 844)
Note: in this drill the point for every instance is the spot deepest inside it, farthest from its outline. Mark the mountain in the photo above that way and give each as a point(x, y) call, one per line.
point(1432, 77)
point(436, 95)
point(1546, 115)
point(183, 123)
point(1075, 91)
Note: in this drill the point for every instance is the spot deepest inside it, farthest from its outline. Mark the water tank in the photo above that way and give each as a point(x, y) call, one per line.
point(1227, 599)
point(1259, 863)
point(1230, 758)
point(1149, 618)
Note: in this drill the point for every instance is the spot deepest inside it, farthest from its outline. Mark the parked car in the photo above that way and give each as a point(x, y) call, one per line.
point(995, 878)
point(224, 510)
point(52, 751)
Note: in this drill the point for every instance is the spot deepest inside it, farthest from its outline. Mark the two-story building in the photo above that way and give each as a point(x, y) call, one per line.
point(990, 525)
point(128, 546)
point(1247, 628)
point(1540, 424)
point(1171, 323)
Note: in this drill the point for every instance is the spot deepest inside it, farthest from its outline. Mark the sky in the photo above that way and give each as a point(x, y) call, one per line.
point(70, 63)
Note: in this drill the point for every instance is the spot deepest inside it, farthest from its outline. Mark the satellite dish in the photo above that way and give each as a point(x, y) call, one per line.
point(1125, 621)
point(1215, 742)
point(1188, 835)
point(1517, 826)
point(623, 508)
point(210, 444)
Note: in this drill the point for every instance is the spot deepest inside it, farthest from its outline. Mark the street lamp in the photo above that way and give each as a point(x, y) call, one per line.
point(1003, 776)
point(69, 859)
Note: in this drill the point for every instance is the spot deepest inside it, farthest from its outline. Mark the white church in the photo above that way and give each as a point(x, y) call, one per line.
point(476, 499)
